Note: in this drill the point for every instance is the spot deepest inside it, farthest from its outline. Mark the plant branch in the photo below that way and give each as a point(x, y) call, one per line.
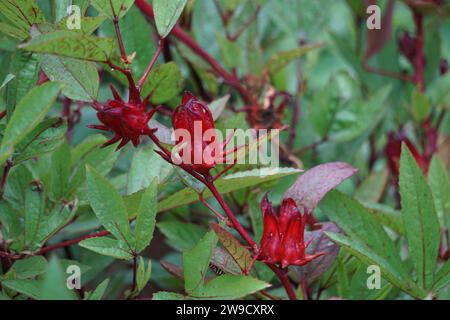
point(152, 62)
point(115, 20)
point(180, 34)
point(419, 59)
point(67, 243)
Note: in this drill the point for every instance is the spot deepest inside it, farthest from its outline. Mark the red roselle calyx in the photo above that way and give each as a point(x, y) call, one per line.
point(127, 120)
point(196, 137)
point(283, 241)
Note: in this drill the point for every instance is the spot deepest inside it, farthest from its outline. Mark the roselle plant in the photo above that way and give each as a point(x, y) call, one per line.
point(125, 175)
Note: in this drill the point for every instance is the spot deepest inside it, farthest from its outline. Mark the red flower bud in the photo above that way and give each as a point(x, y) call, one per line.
point(283, 241)
point(128, 121)
point(195, 119)
point(443, 67)
point(407, 46)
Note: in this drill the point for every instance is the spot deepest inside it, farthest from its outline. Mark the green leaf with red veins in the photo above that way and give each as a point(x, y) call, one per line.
point(167, 13)
point(72, 44)
point(239, 253)
point(22, 13)
point(420, 219)
point(119, 7)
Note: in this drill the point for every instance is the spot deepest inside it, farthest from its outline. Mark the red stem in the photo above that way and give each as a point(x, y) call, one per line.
point(152, 62)
point(284, 281)
point(239, 228)
point(181, 35)
point(9, 164)
point(72, 241)
point(419, 61)
point(281, 274)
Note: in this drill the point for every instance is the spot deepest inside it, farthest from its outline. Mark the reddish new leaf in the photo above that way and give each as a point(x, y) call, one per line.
point(314, 184)
point(320, 243)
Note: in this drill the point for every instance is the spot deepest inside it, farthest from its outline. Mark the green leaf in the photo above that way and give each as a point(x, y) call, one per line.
point(440, 187)
point(217, 106)
point(442, 278)
point(143, 275)
point(34, 214)
point(29, 288)
point(28, 114)
point(46, 137)
point(196, 263)
point(25, 68)
point(30, 267)
point(11, 227)
point(367, 255)
point(59, 175)
point(108, 247)
point(72, 44)
point(229, 183)
point(99, 292)
point(145, 166)
point(13, 31)
point(420, 219)
point(80, 78)
point(16, 189)
point(366, 238)
point(54, 285)
point(22, 13)
point(282, 59)
point(119, 7)
point(167, 13)
point(145, 220)
point(231, 287)
point(420, 104)
point(88, 24)
point(181, 235)
point(438, 91)
point(108, 206)
point(163, 83)
point(163, 295)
